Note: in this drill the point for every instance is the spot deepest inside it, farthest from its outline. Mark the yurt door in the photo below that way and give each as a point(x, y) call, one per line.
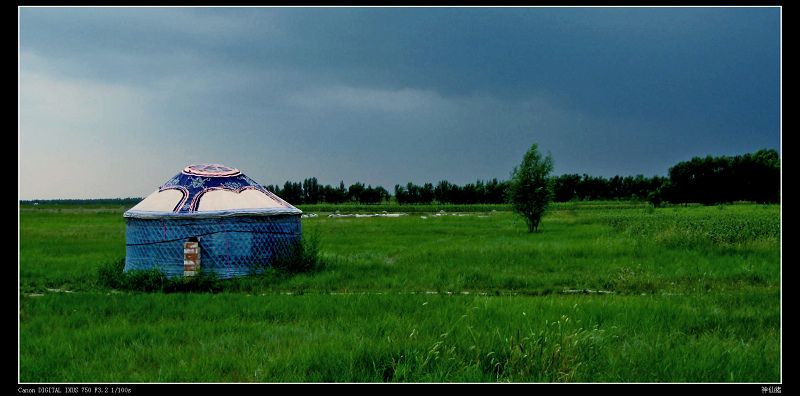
point(191, 257)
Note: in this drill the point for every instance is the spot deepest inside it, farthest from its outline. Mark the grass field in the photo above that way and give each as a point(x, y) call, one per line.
point(603, 293)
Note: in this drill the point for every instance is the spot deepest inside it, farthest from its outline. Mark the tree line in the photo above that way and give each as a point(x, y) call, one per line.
point(708, 180)
point(753, 177)
point(310, 191)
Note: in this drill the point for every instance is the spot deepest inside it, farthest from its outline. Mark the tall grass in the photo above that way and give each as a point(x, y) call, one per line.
point(596, 296)
point(700, 226)
point(390, 338)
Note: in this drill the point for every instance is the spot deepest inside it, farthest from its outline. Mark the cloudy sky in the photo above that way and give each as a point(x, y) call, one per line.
point(115, 101)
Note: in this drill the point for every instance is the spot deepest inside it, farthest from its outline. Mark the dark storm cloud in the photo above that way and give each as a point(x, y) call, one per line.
point(390, 95)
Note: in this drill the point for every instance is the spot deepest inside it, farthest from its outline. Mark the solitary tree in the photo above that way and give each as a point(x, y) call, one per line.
point(530, 189)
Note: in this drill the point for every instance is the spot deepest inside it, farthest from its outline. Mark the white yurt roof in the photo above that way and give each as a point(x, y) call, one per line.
point(210, 190)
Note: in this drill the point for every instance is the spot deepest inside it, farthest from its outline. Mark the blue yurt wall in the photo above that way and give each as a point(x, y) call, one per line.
point(241, 227)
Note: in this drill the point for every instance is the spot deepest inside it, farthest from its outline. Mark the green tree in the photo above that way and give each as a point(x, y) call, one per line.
point(530, 189)
point(312, 191)
point(354, 192)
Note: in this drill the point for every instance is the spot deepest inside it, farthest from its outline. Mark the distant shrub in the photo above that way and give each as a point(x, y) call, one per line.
point(303, 257)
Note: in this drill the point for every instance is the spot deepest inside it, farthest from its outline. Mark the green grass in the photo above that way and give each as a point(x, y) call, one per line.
point(470, 298)
point(62, 248)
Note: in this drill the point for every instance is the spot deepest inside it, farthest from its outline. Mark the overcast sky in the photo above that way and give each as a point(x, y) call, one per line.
point(113, 102)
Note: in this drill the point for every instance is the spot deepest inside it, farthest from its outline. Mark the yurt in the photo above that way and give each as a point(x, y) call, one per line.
point(213, 219)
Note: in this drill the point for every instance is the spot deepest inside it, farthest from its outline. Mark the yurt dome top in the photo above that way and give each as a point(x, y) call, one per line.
point(210, 190)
